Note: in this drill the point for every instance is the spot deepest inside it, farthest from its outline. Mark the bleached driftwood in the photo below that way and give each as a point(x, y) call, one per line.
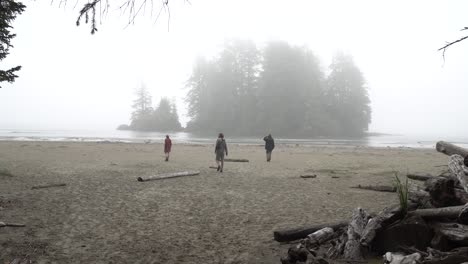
point(459, 170)
point(298, 233)
point(396, 258)
point(353, 248)
point(319, 237)
point(168, 175)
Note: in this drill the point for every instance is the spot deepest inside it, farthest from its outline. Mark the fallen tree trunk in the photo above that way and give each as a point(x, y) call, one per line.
point(438, 213)
point(453, 232)
point(459, 170)
point(377, 188)
point(168, 175)
point(353, 248)
point(236, 160)
point(463, 215)
point(48, 186)
point(450, 149)
point(299, 233)
point(384, 218)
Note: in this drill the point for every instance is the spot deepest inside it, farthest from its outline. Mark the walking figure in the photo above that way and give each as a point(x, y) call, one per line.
point(220, 149)
point(167, 147)
point(269, 146)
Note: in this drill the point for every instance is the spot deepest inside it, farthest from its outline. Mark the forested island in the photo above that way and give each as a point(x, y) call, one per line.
point(280, 89)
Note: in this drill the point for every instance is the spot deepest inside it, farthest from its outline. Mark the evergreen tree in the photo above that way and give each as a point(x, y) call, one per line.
point(9, 9)
point(165, 117)
point(346, 96)
point(142, 110)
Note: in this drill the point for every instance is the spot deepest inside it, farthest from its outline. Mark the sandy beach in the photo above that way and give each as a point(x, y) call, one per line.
point(104, 215)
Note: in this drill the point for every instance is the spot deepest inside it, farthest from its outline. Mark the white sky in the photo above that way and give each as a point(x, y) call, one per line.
point(74, 80)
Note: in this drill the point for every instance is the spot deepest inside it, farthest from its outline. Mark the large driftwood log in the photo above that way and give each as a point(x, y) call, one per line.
point(450, 149)
point(299, 233)
point(459, 170)
point(438, 213)
point(378, 188)
point(48, 186)
point(353, 248)
point(236, 160)
point(384, 218)
point(168, 175)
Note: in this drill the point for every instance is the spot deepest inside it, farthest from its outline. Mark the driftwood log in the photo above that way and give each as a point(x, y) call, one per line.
point(236, 160)
point(438, 213)
point(459, 170)
point(450, 149)
point(168, 175)
point(419, 177)
point(455, 256)
point(353, 249)
point(299, 233)
point(3, 224)
point(454, 233)
point(308, 176)
point(463, 215)
point(48, 186)
point(384, 218)
point(378, 188)
point(319, 237)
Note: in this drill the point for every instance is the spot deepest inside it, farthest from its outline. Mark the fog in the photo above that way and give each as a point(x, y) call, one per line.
point(74, 80)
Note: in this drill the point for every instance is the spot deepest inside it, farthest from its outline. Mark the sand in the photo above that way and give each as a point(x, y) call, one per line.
point(104, 215)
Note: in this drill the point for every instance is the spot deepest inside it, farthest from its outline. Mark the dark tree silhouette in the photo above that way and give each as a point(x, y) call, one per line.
point(9, 9)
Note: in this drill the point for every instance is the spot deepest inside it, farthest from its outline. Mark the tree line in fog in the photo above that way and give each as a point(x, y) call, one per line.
point(279, 89)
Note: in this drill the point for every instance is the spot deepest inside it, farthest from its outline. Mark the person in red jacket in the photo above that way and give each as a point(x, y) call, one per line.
point(167, 147)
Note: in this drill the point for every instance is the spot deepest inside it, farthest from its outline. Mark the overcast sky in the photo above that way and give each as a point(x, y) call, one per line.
point(74, 80)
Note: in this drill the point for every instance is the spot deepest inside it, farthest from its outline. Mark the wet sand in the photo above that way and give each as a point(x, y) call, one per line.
point(104, 215)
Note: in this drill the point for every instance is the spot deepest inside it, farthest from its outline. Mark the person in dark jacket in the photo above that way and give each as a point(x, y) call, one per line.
point(220, 149)
point(269, 146)
point(167, 147)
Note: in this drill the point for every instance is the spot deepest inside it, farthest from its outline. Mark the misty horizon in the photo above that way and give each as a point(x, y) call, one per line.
point(89, 82)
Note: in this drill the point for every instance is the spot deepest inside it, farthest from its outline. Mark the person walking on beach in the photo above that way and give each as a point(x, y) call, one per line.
point(167, 147)
point(220, 149)
point(269, 146)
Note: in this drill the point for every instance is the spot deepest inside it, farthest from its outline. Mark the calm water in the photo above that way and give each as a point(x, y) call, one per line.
point(182, 137)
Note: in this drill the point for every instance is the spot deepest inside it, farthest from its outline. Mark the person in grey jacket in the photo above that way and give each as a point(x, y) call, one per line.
point(269, 146)
point(220, 149)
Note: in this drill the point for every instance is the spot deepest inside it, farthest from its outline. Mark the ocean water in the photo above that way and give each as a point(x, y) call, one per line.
point(384, 140)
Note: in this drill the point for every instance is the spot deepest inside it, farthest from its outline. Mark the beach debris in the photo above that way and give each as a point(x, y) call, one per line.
point(167, 175)
point(4, 224)
point(335, 177)
point(378, 188)
point(236, 160)
point(48, 186)
point(307, 176)
point(299, 233)
point(148, 141)
point(396, 258)
point(213, 167)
